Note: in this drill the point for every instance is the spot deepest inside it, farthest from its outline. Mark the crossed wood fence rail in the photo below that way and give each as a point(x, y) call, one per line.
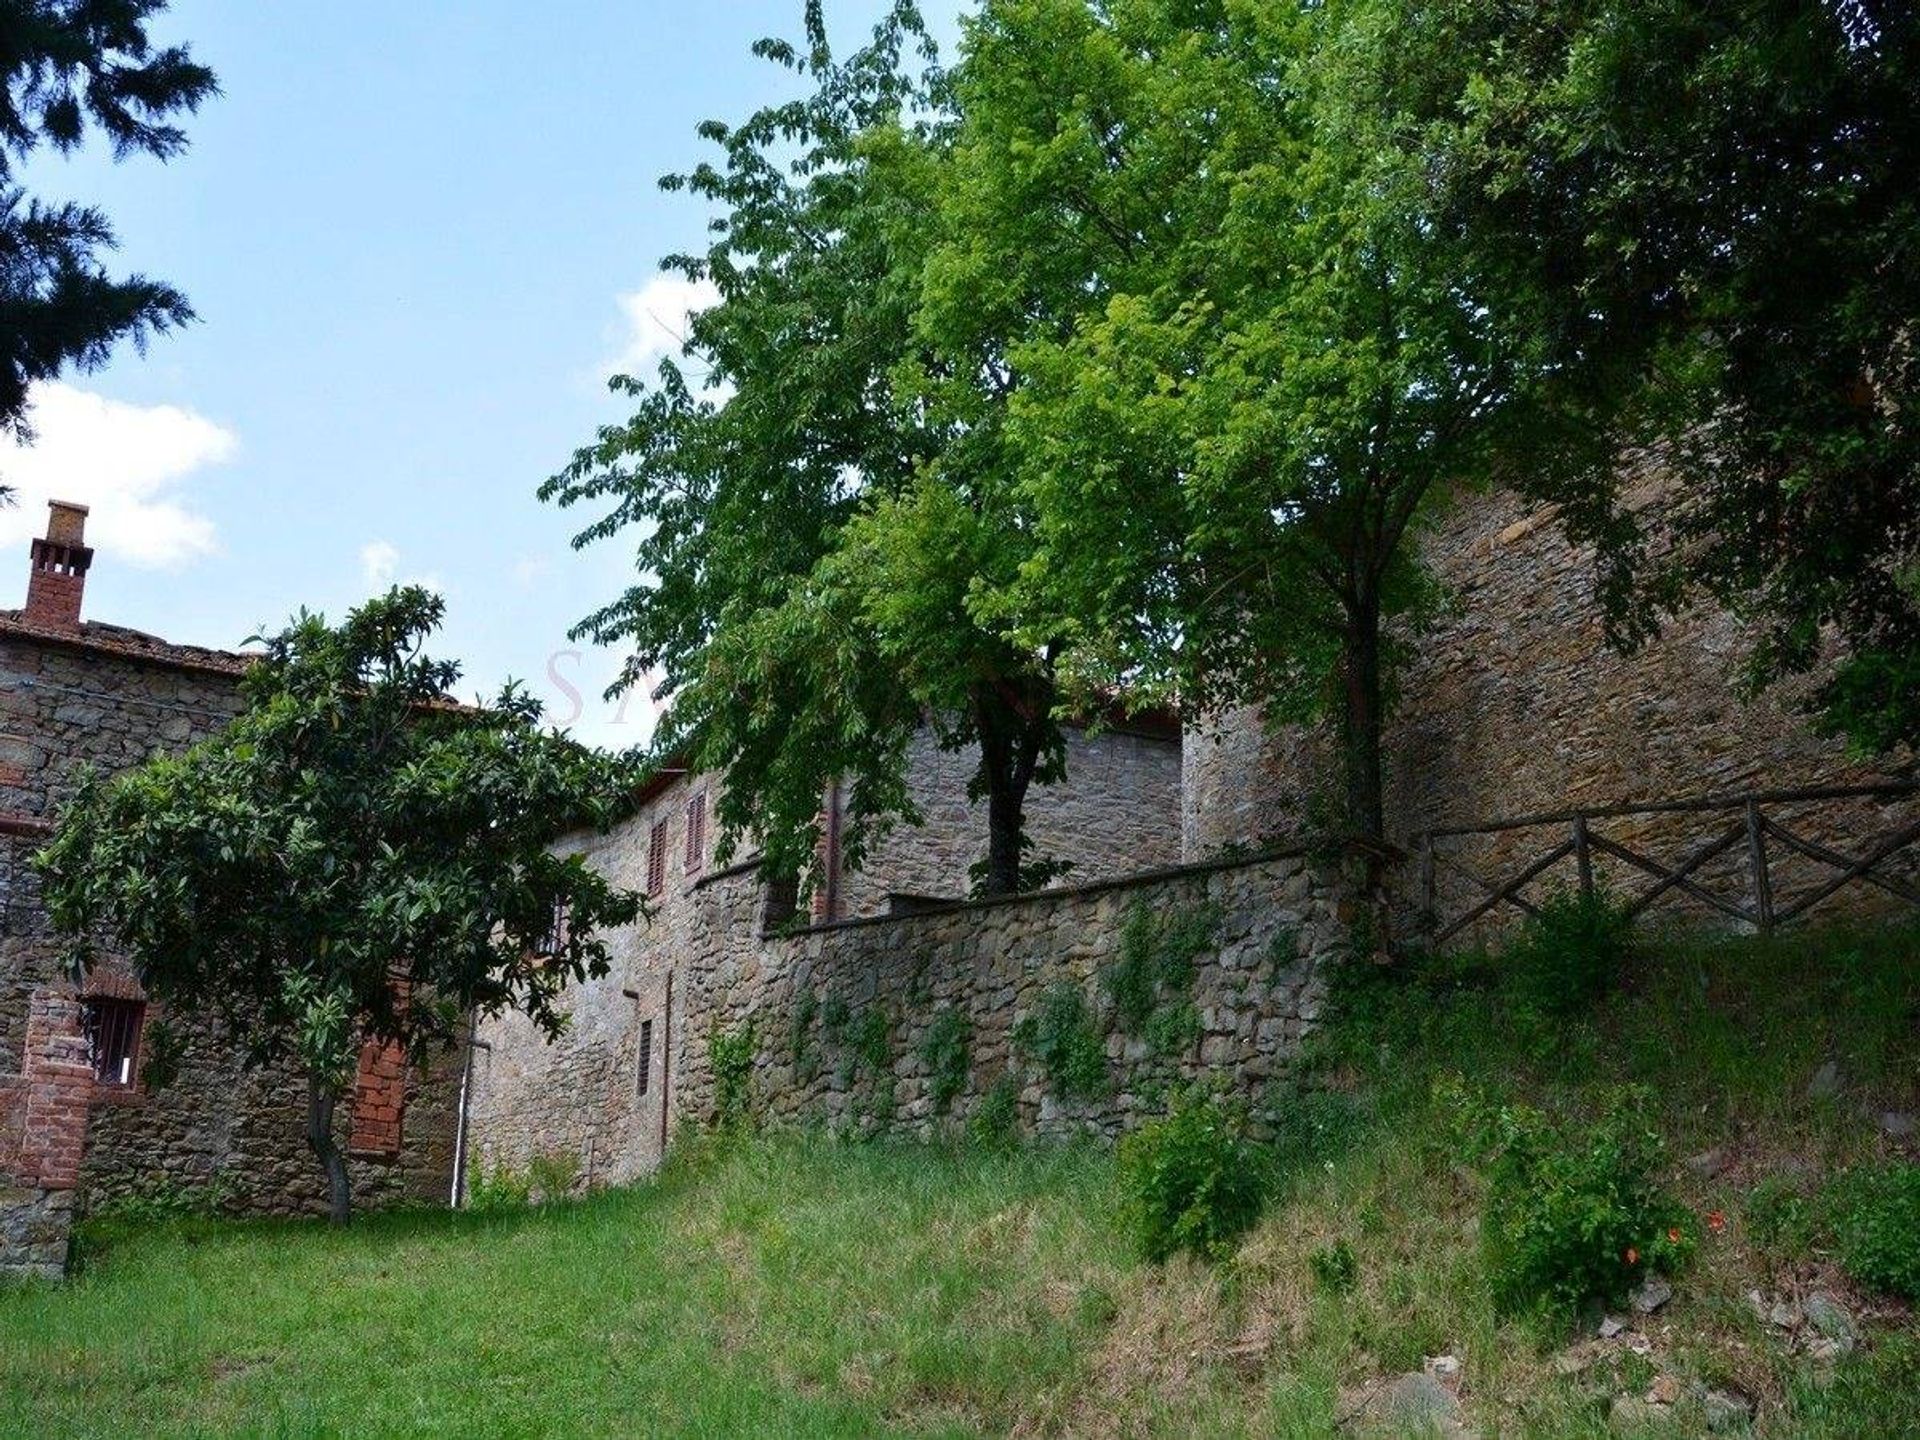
point(1751, 825)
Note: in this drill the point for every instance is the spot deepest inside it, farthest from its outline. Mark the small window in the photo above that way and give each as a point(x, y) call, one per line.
point(657, 860)
point(555, 940)
point(646, 1058)
point(113, 1039)
point(696, 833)
point(781, 903)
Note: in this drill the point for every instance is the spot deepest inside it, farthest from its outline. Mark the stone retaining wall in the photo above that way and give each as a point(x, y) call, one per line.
point(1272, 930)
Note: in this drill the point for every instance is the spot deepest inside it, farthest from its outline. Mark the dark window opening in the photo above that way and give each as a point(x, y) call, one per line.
point(646, 1058)
point(113, 1039)
point(782, 903)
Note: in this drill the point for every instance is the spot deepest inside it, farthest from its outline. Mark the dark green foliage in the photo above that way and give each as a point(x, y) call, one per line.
point(1156, 959)
point(67, 66)
point(1334, 1267)
point(1709, 211)
point(1573, 953)
point(1192, 1180)
point(161, 1050)
point(1574, 1210)
point(946, 1050)
point(731, 1053)
point(1060, 1034)
point(818, 507)
point(353, 856)
point(995, 1122)
point(1876, 1226)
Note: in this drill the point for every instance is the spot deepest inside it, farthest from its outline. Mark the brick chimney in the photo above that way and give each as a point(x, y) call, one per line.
point(58, 579)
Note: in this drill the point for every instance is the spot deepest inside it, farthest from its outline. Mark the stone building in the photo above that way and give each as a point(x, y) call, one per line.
point(635, 1049)
point(75, 691)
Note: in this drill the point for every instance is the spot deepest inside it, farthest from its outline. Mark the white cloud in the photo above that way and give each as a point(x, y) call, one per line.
point(656, 320)
point(122, 461)
point(529, 569)
point(380, 570)
point(379, 563)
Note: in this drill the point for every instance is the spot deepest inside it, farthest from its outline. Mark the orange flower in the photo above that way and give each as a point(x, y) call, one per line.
point(1674, 1234)
point(1716, 1221)
point(1633, 1256)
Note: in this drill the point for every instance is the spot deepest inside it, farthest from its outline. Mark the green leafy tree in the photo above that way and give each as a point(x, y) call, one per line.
point(1718, 199)
point(819, 501)
point(354, 857)
point(67, 66)
point(1247, 361)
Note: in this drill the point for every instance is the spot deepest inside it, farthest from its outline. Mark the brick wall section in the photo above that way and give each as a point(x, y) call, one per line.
point(379, 1099)
point(581, 1095)
point(43, 1133)
point(1515, 705)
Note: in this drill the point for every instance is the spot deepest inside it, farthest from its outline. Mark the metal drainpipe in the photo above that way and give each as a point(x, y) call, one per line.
point(666, 1060)
point(459, 1196)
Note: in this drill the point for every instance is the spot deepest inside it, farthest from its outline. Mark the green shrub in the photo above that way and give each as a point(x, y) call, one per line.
point(870, 1039)
point(730, 1052)
point(946, 1050)
point(498, 1188)
point(552, 1173)
point(1572, 954)
point(156, 1199)
point(1060, 1035)
point(1192, 1180)
point(995, 1122)
point(1573, 1210)
point(1876, 1226)
point(1334, 1267)
point(1780, 1219)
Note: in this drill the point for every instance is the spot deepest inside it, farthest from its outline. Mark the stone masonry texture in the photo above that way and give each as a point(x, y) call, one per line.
point(65, 701)
point(1117, 812)
point(1513, 704)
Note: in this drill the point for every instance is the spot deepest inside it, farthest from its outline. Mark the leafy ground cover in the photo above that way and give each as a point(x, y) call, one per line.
point(798, 1286)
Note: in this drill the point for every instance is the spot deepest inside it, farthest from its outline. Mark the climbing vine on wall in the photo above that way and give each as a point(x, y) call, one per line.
point(730, 1052)
point(1060, 1035)
point(947, 1052)
point(1150, 982)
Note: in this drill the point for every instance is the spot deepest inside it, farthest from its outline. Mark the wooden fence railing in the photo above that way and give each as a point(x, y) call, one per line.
point(1744, 831)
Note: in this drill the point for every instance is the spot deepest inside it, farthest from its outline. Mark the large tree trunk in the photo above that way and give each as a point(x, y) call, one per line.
point(1362, 721)
point(322, 1097)
point(1011, 745)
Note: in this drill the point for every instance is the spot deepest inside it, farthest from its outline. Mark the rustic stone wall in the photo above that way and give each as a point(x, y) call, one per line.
point(817, 1002)
point(62, 705)
point(583, 1096)
point(1515, 705)
point(43, 1127)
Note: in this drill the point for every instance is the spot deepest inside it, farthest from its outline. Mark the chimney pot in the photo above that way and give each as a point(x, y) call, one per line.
point(57, 582)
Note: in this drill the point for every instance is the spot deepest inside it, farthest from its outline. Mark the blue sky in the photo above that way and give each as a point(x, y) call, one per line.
point(418, 236)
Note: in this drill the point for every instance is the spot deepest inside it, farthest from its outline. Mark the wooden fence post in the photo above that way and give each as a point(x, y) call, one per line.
point(1429, 887)
point(1757, 857)
point(1583, 856)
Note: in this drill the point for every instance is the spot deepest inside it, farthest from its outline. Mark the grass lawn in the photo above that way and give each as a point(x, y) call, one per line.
point(797, 1286)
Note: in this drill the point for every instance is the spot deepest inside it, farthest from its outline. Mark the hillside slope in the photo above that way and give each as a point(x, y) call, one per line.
point(798, 1286)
